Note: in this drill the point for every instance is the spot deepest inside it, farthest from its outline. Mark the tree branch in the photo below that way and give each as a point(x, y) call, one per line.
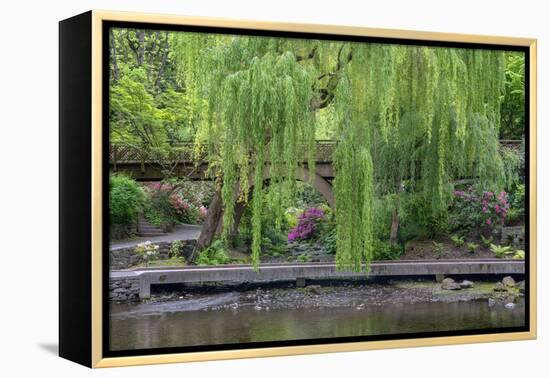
point(308, 56)
point(325, 95)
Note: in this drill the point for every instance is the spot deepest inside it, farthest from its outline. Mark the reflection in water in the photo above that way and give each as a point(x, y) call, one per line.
point(181, 323)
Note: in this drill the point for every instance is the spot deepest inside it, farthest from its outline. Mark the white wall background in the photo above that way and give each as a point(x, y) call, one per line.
point(28, 161)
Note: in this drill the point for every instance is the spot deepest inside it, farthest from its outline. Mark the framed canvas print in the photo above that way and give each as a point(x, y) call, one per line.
point(234, 189)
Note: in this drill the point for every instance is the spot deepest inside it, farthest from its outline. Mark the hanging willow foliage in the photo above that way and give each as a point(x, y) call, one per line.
point(262, 102)
point(425, 115)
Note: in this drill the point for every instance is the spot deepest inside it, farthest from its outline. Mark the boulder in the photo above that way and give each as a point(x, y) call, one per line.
point(508, 281)
point(521, 286)
point(450, 284)
point(466, 284)
point(510, 299)
point(499, 286)
point(314, 289)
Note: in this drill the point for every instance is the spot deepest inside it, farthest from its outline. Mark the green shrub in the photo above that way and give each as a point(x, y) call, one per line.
point(159, 210)
point(307, 195)
point(416, 218)
point(126, 199)
point(176, 248)
point(384, 250)
point(487, 241)
point(501, 251)
point(216, 254)
point(519, 255)
point(304, 257)
point(328, 239)
point(516, 212)
point(458, 240)
point(437, 249)
point(472, 247)
point(273, 248)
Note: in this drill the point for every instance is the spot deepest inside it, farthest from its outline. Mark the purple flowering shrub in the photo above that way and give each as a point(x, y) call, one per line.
point(308, 223)
point(475, 209)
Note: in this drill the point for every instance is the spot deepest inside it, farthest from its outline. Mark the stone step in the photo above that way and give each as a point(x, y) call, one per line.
point(151, 234)
point(146, 224)
point(146, 229)
point(149, 228)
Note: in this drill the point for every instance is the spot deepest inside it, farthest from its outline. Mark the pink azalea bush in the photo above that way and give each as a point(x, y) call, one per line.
point(170, 204)
point(308, 222)
point(471, 209)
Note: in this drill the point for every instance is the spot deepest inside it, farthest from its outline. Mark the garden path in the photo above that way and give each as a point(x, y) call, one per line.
point(181, 232)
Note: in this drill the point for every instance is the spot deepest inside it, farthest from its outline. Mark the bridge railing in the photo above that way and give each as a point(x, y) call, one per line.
point(187, 152)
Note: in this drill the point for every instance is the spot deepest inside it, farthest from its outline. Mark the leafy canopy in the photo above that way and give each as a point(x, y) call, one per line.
point(418, 115)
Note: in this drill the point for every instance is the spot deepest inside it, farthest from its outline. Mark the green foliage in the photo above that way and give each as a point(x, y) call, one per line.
point(487, 241)
point(264, 108)
point(353, 185)
point(513, 103)
point(408, 119)
point(472, 247)
point(216, 254)
point(458, 240)
point(304, 257)
point(501, 251)
point(328, 240)
point(519, 255)
point(126, 199)
point(159, 210)
point(176, 248)
point(384, 250)
point(274, 244)
point(517, 204)
point(150, 111)
point(437, 249)
point(416, 221)
point(307, 196)
point(511, 163)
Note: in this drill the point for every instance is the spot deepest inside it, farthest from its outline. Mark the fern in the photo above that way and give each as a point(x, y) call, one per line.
point(501, 251)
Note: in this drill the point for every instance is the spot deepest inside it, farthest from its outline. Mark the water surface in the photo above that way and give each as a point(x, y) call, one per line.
point(193, 322)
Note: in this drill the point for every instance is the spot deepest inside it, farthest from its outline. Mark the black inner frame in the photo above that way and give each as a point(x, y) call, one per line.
point(106, 25)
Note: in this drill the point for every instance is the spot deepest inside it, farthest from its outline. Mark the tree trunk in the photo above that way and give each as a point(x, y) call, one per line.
point(113, 53)
point(163, 62)
point(141, 47)
point(239, 211)
point(151, 59)
point(394, 222)
point(208, 231)
point(240, 207)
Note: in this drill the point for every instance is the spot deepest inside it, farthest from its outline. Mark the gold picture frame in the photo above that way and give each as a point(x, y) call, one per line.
point(95, 19)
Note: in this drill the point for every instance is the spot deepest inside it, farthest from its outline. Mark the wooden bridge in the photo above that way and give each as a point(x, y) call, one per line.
point(185, 162)
point(300, 272)
point(146, 165)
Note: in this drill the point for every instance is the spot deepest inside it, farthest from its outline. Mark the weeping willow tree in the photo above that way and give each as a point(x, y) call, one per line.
point(415, 114)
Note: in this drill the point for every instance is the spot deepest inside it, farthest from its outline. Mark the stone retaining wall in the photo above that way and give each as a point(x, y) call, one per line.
point(513, 235)
point(125, 258)
point(124, 289)
point(122, 231)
